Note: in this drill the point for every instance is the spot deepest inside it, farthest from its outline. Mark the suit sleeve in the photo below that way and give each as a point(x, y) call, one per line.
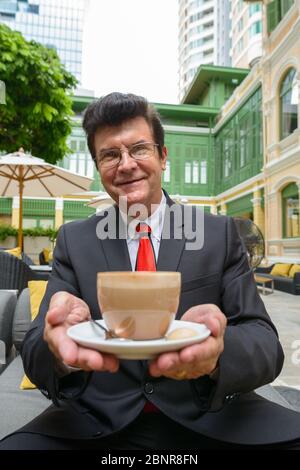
point(252, 353)
point(39, 363)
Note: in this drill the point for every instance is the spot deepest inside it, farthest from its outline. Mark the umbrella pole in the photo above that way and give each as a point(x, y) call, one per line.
point(20, 230)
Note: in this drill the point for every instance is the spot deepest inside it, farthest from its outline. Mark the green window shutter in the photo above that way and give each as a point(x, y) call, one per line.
point(273, 15)
point(285, 6)
point(290, 190)
point(5, 205)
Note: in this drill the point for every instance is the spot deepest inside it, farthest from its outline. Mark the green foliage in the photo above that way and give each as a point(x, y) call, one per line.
point(9, 231)
point(38, 102)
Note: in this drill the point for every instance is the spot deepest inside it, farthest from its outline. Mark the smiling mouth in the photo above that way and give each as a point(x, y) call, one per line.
point(130, 182)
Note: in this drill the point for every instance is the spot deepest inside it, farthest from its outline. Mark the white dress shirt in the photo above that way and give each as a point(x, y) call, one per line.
point(155, 222)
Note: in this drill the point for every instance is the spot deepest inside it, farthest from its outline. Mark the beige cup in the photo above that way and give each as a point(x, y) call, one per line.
point(138, 305)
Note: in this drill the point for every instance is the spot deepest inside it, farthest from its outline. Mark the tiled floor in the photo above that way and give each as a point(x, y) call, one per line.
point(284, 309)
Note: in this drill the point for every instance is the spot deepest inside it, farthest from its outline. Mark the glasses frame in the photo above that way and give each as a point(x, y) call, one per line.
point(127, 150)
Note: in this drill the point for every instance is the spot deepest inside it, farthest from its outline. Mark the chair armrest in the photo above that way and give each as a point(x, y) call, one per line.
point(2, 353)
point(297, 279)
point(266, 269)
point(8, 301)
point(22, 319)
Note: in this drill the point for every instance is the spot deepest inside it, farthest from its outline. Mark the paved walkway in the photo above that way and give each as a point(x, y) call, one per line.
point(284, 309)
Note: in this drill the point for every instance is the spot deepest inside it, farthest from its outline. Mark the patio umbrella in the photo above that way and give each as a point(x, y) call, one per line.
point(24, 175)
point(101, 201)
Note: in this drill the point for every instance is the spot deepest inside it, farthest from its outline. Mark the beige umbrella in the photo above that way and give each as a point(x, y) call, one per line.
point(101, 201)
point(24, 175)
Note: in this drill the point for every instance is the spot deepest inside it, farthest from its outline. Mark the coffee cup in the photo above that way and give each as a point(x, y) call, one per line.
point(138, 305)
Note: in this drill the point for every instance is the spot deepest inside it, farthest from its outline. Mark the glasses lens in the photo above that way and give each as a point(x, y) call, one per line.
point(109, 158)
point(142, 151)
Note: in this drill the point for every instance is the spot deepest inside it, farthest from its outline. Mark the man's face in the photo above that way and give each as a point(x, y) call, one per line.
point(138, 180)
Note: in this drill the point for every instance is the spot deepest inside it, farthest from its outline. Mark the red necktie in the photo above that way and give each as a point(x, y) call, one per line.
point(145, 261)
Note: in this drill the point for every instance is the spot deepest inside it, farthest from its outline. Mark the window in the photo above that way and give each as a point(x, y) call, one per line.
point(254, 8)
point(195, 172)
point(167, 173)
point(240, 25)
point(203, 173)
point(228, 155)
point(188, 172)
point(255, 28)
point(289, 99)
point(82, 147)
point(290, 211)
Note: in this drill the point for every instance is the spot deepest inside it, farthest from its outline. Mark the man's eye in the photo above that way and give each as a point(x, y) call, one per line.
point(109, 156)
point(139, 149)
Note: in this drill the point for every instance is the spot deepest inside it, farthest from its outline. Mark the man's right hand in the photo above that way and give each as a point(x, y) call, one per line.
point(64, 311)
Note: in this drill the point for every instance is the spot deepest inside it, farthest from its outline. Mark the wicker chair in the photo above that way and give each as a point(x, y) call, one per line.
point(14, 273)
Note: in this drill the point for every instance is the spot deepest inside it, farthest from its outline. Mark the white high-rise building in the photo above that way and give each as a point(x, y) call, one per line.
point(203, 37)
point(246, 33)
point(54, 23)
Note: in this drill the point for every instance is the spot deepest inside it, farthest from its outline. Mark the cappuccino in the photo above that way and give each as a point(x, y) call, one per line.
point(139, 305)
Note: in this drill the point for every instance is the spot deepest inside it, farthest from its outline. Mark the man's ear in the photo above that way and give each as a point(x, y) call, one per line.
point(164, 156)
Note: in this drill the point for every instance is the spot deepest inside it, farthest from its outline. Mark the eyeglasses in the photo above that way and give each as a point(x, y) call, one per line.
point(108, 158)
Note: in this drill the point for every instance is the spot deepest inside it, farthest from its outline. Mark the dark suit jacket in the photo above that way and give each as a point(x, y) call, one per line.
point(99, 403)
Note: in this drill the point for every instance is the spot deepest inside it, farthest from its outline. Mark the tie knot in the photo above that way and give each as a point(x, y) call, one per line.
point(143, 228)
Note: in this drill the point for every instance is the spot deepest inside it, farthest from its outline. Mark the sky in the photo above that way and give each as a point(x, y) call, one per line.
point(132, 46)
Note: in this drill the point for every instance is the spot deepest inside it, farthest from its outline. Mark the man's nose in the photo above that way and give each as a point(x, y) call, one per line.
point(127, 162)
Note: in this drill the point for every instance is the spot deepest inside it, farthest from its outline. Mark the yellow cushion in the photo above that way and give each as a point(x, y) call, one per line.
point(36, 290)
point(281, 269)
point(48, 255)
point(294, 269)
point(15, 252)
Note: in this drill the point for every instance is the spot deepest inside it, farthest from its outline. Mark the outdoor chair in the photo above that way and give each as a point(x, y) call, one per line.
point(14, 273)
point(27, 259)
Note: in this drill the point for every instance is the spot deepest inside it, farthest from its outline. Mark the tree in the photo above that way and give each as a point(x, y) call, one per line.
point(38, 106)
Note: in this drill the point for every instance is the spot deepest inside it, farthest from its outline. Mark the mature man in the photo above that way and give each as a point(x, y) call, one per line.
point(199, 397)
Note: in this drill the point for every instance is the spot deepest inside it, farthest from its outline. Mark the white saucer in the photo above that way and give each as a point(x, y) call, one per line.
point(87, 334)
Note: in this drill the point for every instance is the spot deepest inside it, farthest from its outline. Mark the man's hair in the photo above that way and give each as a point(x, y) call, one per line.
point(116, 108)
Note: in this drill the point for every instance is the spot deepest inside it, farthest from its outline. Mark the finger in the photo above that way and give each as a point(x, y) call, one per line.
point(195, 313)
point(63, 304)
point(57, 315)
point(197, 353)
point(89, 359)
point(164, 362)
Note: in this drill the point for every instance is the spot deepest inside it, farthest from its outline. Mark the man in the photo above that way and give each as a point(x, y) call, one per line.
point(199, 397)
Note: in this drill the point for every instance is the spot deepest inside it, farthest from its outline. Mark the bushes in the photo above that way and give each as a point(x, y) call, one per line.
point(9, 231)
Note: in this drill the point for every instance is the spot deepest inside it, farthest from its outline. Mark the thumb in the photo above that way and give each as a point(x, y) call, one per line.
point(195, 314)
point(59, 308)
point(57, 315)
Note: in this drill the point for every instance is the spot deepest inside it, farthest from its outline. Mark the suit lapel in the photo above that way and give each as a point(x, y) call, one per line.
point(171, 248)
point(115, 245)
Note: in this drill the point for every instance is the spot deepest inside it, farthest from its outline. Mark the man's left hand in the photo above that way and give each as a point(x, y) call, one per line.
point(199, 359)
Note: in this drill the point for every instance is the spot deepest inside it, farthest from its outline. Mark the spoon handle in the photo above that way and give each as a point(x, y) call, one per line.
point(108, 334)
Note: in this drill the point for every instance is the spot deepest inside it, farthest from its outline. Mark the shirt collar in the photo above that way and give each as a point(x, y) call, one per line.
point(155, 221)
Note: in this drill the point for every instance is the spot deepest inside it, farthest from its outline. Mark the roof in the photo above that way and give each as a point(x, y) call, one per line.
point(206, 73)
point(186, 111)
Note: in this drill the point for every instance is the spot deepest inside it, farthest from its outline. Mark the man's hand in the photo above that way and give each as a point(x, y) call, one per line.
point(198, 359)
point(64, 311)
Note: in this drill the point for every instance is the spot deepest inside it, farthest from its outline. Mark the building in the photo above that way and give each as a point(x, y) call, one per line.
point(217, 32)
point(55, 23)
point(280, 75)
point(246, 33)
point(223, 27)
point(197, 38)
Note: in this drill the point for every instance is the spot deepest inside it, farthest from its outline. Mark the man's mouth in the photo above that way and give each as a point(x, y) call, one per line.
point(123, 183)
